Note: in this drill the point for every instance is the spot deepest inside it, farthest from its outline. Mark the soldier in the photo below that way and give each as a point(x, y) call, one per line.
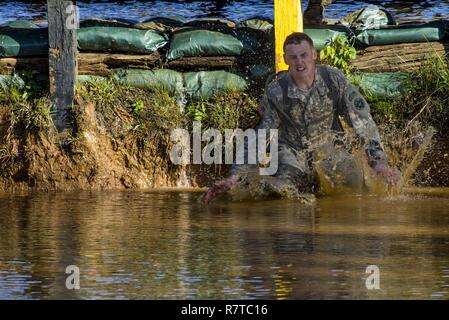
point(306, 104)
point(314, 14)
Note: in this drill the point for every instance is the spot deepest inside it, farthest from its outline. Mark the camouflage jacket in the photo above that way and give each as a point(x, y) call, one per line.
point(304, 118)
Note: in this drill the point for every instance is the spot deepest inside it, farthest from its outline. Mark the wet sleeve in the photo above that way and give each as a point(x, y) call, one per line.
point(356, 112)
point(269, 120)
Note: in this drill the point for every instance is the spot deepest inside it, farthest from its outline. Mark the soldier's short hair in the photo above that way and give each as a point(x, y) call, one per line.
point(297, 38)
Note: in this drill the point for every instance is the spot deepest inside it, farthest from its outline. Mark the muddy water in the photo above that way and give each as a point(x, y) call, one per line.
point(154, 245)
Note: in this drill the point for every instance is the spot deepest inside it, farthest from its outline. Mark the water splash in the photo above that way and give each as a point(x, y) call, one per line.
point(257, 187)
point(424, 142)
point(183, 180)
point(337, 174)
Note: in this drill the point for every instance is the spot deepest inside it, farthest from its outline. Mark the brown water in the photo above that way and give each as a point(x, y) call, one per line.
point(152, 245)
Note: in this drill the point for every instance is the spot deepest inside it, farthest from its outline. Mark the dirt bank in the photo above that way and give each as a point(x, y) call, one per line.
point(94, 157)
point(116, 145)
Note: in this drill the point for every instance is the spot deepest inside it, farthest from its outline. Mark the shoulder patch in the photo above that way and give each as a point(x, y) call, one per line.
point(274, 91)
point(359, 103)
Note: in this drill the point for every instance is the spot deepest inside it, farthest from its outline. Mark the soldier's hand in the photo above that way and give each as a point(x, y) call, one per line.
point(220, 187)
point(391, 176)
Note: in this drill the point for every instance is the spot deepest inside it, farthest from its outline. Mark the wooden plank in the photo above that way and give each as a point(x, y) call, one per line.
point(206, 63)
point(62, 60)
point(11, 65)
point(405, 57)
point(287, 19)
point(101, 64)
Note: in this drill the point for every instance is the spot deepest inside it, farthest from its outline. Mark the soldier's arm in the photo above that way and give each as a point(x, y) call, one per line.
point(269, 120)
point(356, 112)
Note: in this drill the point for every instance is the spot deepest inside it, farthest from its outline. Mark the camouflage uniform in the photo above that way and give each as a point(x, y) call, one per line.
point(310, 131)
point(314, 14)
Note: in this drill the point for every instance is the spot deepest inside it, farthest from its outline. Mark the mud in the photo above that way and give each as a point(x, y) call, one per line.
point(92, 158)
point(89, 159)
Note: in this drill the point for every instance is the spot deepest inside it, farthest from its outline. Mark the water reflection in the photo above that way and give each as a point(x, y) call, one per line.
point(154, 245)
point(233, 9)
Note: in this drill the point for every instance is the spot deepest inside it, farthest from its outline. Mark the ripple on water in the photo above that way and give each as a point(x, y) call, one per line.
point(235, 10)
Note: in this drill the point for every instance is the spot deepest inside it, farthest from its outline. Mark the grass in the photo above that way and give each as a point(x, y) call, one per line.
point(31, 111)
point(425, 100)
point(123, 109)
point(23, 111)
point(158, 110)
point(143, 117)
point(226, 111)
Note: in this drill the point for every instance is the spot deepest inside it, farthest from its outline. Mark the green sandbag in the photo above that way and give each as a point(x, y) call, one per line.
point(432, 31)
point(7, 82)
point(371, 17)
point(204, 84)
point(381, 85)
point(171, 21)
point(164, 79)
point(322, 36)
point(117, 39)
point(197, 43)
point(20, 24)
point(213, 24)
point(257, 24)
point(154, 26)
point(105, 23)
point(163, 24)
point(23, 42)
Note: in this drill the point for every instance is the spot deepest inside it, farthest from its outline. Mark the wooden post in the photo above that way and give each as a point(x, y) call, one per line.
point(287, 19)
point(62, 24)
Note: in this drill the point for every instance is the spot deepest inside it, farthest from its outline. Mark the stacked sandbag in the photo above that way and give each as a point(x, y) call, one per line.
point(195, 85)
point(370, 17)
point(426, 32)
point(164, 24)
point(211, 37)
point(205, 84)
point(323, 35)
point(247, 48)
point(87, 23)
point(203, 43)
point(258, 34)
point(381, 85)
point(164, 79)
point(120, 39)
point(19, 24)
point(23, 42)
point(374, 26)
point(259, 24)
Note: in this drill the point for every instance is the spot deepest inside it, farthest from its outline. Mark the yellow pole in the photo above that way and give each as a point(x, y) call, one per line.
point(287, 19)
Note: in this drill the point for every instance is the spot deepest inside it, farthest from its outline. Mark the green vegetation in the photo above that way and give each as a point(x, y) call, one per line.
point(425, 100)
point(129, 111)
point(338, 54)
point(121, 108)
point(227, 111)
point(26, 106)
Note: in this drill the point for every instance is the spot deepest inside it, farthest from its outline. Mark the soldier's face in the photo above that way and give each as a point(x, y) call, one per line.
point(301, 59)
